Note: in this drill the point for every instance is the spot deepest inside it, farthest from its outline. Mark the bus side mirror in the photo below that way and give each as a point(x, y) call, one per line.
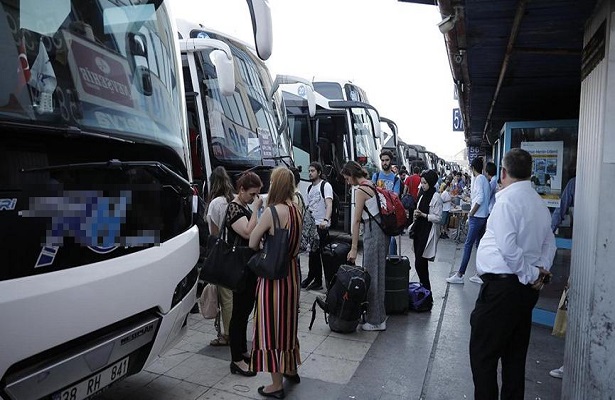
point(220, 56)
point(376, 120)
point(311, 101)
point(137, 46)
point(225, 71)
point(261, 27)
point(306, 86)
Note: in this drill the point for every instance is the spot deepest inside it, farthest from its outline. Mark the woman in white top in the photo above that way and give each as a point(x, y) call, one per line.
point(375, 242)
point(220, 194)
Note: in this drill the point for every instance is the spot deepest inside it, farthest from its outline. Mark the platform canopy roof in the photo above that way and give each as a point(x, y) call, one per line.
point(514, 60)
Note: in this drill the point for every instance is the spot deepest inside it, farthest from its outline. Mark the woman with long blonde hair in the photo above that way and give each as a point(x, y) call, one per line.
point(275, 346)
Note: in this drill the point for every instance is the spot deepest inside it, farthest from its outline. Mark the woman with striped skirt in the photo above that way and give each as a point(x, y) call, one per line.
point(275, 347)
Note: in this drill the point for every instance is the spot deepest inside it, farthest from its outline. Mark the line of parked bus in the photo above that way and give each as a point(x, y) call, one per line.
point(110, 125)
point(130, 111)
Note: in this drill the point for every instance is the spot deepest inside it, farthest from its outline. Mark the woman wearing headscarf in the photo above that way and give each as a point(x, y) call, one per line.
point(427, 217)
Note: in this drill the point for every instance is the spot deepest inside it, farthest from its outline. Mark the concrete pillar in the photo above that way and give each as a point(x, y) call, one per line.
point(589, 365)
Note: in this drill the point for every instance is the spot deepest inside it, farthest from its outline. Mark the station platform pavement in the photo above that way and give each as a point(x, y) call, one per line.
point(419, 356)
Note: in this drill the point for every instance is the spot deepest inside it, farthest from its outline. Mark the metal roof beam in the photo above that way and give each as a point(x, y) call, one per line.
point(507, 56)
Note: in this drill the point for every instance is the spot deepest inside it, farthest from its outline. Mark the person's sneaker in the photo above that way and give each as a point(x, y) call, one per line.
point(314, 286)
point(557, 373)
point(455, 279)
point(476, 279)
point(305, 283)
point(370, 327)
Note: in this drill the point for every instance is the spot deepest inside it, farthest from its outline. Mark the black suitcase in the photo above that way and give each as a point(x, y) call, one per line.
point(334, 254)
point(396, 278)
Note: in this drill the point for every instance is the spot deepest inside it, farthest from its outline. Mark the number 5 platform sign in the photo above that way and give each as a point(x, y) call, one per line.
point(457, 120)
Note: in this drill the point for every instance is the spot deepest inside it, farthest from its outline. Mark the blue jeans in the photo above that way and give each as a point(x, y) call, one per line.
point(476, 230)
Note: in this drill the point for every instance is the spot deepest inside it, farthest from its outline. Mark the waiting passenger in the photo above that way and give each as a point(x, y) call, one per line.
point(240, 222)
point(220, 194)
point(477, 218)
point(427, 217)
point(513, 259)
point(375, 243)
point(275, 346)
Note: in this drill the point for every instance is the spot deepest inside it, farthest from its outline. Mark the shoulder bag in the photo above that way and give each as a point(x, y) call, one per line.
point(208, 302)
point(272, 262)
point(226, 263)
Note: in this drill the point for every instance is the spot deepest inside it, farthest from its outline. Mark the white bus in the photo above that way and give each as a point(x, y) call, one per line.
point(242, 129)
point(97, 231)
point(392, 142)
point(345, 127)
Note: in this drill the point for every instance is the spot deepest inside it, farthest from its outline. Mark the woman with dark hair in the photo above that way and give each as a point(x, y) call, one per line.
point(240, 222)
point(375, 242)
point(275, 346)
point(427, 217)
point(220, 194)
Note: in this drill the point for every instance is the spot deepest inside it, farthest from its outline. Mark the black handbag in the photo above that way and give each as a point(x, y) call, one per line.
point(226, 264)
point(272, 262)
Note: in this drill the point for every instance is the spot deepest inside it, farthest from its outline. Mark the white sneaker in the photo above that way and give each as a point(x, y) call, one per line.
point(455, 279)
point(370, 327)
point(557, 373)
point(476, 279)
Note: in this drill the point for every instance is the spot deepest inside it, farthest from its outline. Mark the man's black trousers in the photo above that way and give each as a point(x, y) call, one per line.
point(315, 260)
point(501, 323)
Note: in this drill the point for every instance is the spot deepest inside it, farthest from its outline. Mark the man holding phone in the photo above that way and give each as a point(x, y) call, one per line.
point(513, 260)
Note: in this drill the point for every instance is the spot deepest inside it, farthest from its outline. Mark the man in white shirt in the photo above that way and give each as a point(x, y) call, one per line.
point(513, 259)
point(477, 218)
point(320, 204)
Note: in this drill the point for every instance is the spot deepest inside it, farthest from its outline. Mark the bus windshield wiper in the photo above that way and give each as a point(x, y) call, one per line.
point(182, 186)
point(279, 158)
point(68, 130)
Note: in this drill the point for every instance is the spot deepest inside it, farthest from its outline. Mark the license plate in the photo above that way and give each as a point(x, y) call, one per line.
point(95, 383)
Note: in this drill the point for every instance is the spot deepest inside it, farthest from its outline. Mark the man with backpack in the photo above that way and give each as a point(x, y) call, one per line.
point(387, 179)
point(320, 204)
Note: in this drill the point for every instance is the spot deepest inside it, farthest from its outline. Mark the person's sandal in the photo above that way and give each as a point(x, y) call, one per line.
point(220, 341)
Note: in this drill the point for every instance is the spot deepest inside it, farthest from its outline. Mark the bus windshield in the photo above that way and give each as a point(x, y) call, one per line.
point(91, 66)
point(244, 126)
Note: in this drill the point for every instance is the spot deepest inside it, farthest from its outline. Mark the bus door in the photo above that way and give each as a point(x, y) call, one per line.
point(201, 164)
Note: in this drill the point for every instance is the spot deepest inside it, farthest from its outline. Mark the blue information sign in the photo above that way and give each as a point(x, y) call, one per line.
point(457, 120)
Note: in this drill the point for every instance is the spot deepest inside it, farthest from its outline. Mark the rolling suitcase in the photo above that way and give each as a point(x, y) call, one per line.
point(334, 254)
point(396, 278)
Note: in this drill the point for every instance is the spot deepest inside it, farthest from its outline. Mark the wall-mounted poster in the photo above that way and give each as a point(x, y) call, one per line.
point(547, 169)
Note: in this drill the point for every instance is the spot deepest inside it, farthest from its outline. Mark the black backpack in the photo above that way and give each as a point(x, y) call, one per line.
point(346, 299)
point(335, 204)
